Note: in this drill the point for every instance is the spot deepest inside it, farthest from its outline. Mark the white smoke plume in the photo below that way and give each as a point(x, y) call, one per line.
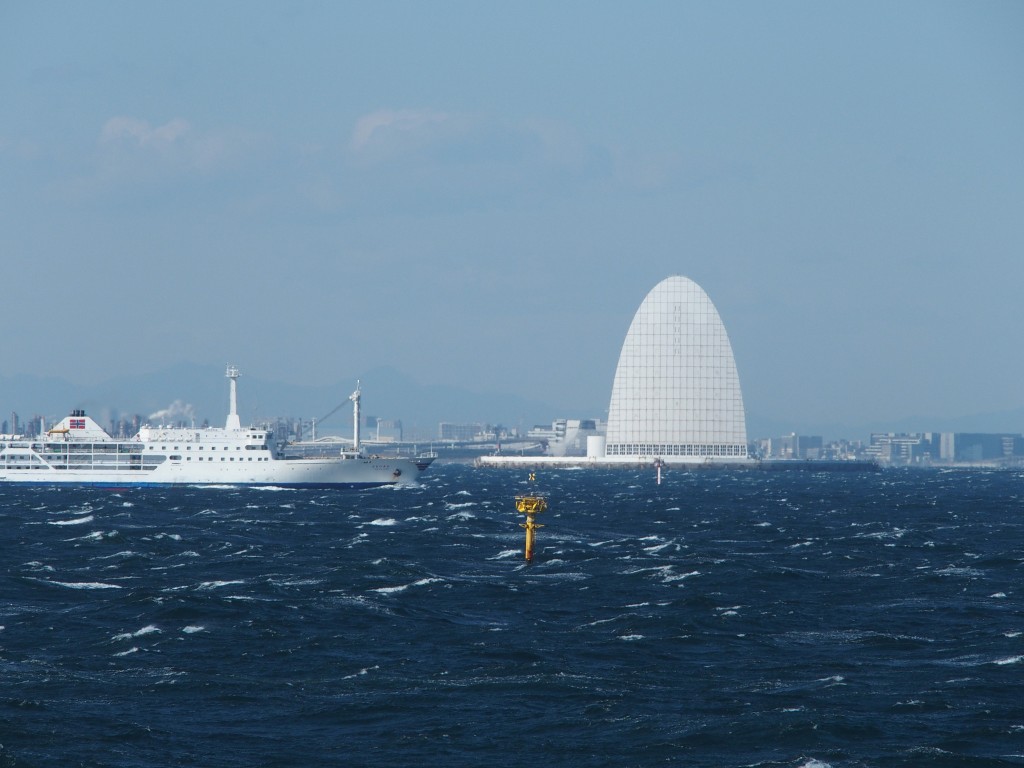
point(173, 413)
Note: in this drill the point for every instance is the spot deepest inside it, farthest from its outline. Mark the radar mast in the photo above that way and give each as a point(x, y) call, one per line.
point(233, 422)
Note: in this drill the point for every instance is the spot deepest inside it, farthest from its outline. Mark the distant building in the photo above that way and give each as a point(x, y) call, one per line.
point(389, 430)
point(904, 447)
point(460, 432)
point(567, 437)
point(910, 448)
point(968, 447)
point(794, 446)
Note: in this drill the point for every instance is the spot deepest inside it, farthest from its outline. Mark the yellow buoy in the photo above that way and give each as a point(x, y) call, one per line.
point(530, 506)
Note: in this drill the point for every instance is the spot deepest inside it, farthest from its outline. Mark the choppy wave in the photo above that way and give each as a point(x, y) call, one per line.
point(719, 619)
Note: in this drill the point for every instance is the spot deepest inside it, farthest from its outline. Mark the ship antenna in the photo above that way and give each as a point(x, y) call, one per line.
point(354, 397)
point(233, 422)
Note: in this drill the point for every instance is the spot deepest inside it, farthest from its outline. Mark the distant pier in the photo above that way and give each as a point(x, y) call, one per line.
point(583, 462)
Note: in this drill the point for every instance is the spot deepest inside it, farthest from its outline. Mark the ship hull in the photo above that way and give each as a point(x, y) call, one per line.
point(342, 473)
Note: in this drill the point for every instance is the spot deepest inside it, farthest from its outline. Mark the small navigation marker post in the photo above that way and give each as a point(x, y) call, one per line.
point(658, 464)
point(531, 505)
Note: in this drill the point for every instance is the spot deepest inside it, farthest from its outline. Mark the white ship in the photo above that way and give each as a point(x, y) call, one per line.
point(78, 451)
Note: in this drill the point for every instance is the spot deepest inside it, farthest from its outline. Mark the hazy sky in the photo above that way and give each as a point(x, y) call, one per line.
point(483, 193)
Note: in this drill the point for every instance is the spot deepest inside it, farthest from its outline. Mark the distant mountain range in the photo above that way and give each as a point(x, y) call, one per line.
point(186, 390)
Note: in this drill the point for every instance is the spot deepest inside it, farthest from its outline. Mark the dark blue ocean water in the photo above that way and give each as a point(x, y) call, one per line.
point(720, 619)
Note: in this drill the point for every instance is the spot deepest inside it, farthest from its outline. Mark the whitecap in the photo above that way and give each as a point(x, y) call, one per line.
point(658, 547)
point(383, 521)
point(216, 584)
point(956, 571)
point(464, 505)
point(631, 638)
point(361, 672)
point(504, 554)
point(895, 533)
point(834, 680)
point(133, 649)
point(191, 629)
point(998, 595)
point(85, 584)
point(76, 521)
point(125, 553)
point(146, 630)
point(393, 590)
point(1009, 660)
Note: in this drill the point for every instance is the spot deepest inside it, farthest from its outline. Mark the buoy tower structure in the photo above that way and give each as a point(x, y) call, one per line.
point(531, 505)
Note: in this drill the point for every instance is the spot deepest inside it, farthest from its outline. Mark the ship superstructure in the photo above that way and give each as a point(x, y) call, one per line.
point(78, 451)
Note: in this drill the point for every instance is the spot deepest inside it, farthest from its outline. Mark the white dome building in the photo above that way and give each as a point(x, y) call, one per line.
point(676, 394)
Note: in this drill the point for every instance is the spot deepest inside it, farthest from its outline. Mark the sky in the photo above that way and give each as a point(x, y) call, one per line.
point(481, 194)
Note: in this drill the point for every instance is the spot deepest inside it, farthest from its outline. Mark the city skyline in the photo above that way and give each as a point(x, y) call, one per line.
point(479, 197)
point(199, 392)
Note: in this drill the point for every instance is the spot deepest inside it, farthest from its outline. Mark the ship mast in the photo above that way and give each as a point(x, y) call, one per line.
point(354, 397)
point(233, 422)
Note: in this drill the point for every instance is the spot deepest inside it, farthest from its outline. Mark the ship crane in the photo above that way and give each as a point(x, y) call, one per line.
point(355, 397)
